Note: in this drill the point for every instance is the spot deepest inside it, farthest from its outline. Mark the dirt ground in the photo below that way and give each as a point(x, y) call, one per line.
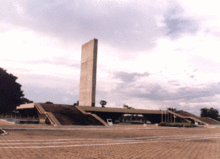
point(131, 141)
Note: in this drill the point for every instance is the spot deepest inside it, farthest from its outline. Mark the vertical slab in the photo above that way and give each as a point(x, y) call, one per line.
point(88, 73)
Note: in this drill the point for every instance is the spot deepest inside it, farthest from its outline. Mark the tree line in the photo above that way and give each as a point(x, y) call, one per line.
point(210, 112)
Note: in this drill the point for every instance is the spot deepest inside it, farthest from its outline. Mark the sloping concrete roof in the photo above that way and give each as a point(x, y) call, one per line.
point(26, 106)
point(100, 109)
point(120, 110)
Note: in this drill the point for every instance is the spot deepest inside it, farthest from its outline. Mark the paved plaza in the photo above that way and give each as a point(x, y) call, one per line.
point(131, 141)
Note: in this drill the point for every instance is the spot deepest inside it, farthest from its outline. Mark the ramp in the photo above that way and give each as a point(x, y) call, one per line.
point(70, 115)
point(52, 119)
point(43, 115)
point(3, 132)
point(186, 115)
point(94, 115)
point(210, 121)
point(39, 108)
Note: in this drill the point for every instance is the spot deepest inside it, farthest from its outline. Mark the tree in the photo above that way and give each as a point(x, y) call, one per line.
point(48, 102)
point(171, 109)
point(103, 103)
point(11, 94)
point(25, 100)
point(212, 113)
point(204, 112)
point(127, 107)
point(76, 104)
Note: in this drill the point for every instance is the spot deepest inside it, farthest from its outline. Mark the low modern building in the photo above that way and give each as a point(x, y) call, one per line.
point(59, 114)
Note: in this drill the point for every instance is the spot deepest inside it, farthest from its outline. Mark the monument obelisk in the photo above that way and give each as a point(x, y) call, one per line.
point(87, 88)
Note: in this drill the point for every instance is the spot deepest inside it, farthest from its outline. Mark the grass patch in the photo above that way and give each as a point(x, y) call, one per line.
point(177, 125)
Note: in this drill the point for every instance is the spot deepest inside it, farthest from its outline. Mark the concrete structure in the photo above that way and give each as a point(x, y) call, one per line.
point(88, 73)
point(59, 114)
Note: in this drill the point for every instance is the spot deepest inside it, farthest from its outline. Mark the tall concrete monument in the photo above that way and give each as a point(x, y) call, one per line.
point(88, 73)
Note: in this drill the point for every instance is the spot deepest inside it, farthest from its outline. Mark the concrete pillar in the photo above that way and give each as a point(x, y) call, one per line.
point(88, 73)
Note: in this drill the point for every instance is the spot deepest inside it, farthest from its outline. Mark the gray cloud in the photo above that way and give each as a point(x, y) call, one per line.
point(119, 25)
point(56, 61)
point(151, 92)
point(57, 89)
point(204, 64)
point(43, 94)
point(163, 98)
point(129, 77)
point(119, 95)
point(177, 25)
point(192, 76)
point(157, 92)
point(174, 83)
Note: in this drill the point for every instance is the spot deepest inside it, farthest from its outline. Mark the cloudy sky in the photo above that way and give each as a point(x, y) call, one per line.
point(151, 54)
